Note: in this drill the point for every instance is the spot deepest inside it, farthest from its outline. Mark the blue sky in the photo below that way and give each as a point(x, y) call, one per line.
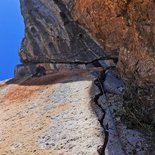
point(11, 34)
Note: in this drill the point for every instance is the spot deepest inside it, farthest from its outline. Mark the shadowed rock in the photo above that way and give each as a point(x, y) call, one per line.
point(51, 35)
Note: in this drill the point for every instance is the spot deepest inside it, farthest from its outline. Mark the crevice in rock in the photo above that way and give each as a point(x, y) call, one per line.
point(69, 22)
point(98, 83)
point(102, 78)
point(118, 137)
point(65, 15)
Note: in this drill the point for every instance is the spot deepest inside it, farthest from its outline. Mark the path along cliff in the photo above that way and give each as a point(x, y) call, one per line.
point(49, 115)
point(83, 106)
point(67, 112)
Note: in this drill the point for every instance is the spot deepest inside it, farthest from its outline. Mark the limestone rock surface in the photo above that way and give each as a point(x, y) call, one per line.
point(50, 115)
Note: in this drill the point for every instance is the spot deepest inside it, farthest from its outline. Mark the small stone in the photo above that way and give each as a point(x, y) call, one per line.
point(17, 145)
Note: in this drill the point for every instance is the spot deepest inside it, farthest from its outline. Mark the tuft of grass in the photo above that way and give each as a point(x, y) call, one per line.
point(138, 109)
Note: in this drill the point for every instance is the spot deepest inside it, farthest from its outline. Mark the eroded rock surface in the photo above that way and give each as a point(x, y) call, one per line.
point(50, 115)
point(70, 112)
point(125, 29)
point(51, 35)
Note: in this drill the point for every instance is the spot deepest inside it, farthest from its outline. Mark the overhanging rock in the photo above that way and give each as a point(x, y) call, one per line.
point(51, 35)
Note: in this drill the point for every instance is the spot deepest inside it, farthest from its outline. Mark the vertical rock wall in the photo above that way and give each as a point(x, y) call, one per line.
point(51, 35)
point(126, 29)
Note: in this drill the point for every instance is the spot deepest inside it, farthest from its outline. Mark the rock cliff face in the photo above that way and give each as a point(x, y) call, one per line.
point(80, 106)
point(125, 29)
point(51, 35)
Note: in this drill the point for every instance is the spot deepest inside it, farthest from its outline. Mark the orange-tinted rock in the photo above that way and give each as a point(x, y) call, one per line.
point(50, 115)
point(125, 28)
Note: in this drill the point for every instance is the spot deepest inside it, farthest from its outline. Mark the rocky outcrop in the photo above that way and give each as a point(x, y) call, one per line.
point(51, 35)
point(78, 35)
point(125, 29)
point(26, 70)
